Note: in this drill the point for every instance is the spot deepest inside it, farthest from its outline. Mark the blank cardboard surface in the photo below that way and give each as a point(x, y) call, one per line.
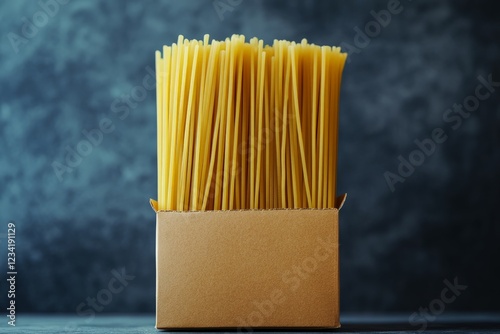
point(252, 268)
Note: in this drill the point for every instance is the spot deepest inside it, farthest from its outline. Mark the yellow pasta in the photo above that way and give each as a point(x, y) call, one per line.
point(243, 125)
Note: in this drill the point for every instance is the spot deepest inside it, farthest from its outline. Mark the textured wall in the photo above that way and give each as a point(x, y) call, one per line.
point(75, 70)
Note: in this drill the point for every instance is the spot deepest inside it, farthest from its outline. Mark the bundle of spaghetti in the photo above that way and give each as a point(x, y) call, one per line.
point(246, 126)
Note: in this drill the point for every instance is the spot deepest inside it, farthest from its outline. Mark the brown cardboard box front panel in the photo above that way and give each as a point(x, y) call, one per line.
point(252, 268)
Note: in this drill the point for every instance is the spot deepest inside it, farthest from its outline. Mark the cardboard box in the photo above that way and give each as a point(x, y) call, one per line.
point(248, 269)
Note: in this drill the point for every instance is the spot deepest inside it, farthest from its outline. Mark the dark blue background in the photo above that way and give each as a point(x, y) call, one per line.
point(396, 247)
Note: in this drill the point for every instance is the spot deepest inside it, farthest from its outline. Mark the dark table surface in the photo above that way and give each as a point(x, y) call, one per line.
point(351, 323)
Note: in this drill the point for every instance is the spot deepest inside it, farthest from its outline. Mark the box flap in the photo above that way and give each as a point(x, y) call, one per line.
point(339, 202)
point(154, 204)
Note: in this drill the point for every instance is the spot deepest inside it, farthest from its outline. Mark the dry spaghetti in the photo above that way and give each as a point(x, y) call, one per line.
point(246, 126)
